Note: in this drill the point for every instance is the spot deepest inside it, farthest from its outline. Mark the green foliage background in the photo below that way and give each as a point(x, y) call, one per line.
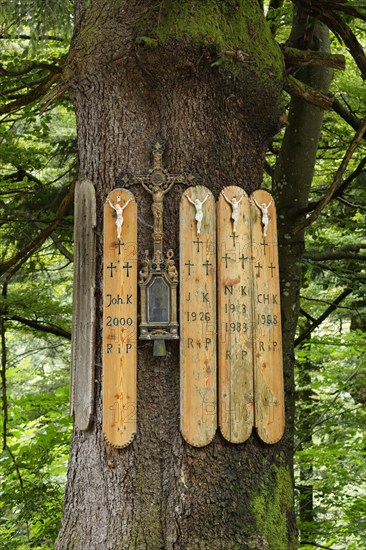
point(38, 152)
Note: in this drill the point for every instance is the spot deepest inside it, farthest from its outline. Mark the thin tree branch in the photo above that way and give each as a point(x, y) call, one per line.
point(302, 543)
point(20, 479)
point(322, 317)
point(296, 57)
point(20, 174)
point(346, 114)
point(307, 315)
point(327, 302)
point(17, 469)
point(351, 204)
point(31, 96)
point(27, 251)
point(346, 252)
point(359, 170)
point(34, 65)
point(28, 37)
point(61, 248)
point(42, 327)
point(296, 88)
point(337, 182)
point(3, 381)
point(338, 5)
point(326, 12)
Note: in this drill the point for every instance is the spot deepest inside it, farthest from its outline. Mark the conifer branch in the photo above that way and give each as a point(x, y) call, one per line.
point(28, 37)
point(42, 327)
point(31, 96)
point(29, 68)
point(346, 252)
point(28, 250)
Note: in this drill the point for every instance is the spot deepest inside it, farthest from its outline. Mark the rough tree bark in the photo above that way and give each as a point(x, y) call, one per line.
point(140, 71)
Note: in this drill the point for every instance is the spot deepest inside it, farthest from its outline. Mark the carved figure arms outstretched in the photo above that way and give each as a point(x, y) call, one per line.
point(235, 209)
point(199, 212)
point(119, 211)
point(264, 209)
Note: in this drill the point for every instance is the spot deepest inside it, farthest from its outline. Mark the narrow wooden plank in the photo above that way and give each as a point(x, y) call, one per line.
point(198, 316)
point(83, 315)
point(235, 368)
point(119, 317)
point(268, 369)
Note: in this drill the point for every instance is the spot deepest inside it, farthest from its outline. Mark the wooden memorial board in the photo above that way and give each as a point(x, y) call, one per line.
point(198, 316)
point(119, 317)
point(267, 342)
point(83, 313)
point(235, 361)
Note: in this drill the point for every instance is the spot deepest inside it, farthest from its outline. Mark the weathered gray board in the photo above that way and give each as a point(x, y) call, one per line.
point(83, 315)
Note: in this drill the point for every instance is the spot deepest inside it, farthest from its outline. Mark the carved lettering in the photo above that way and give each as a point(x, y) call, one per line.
point(235, 315)
point(267, 299)
point(119, 318)
point(198, 315)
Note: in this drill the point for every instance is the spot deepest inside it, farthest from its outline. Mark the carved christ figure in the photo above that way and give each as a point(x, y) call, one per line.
point(199, 212)
point(157, 209)
point(158, 193)
point(119, 211)
point(265, 219)
point(235, 209)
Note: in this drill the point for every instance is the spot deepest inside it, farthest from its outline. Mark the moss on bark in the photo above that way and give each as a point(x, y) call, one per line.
point(270, 506)
point(235, 25)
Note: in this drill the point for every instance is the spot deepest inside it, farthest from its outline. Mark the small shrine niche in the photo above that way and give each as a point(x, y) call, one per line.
point(158, 276)
point(158, 284)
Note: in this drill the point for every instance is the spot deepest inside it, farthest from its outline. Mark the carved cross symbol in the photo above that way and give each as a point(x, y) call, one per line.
point(234, 237)
point(119, 245)
point(259, 267)
point(272, 267)
point(264, 244)
point(127, 267)
point(226, 258)
point(158, 182)
point(111, 266)
point(243, 258)
point(198, 242)
point(206, 265)
point(189, 265)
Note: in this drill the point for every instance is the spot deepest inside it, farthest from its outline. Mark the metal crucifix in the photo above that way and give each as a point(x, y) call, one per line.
point(158, 277)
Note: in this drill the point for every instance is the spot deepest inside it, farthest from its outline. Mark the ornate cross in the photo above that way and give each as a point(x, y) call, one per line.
point(157, 182)
point(158, 276)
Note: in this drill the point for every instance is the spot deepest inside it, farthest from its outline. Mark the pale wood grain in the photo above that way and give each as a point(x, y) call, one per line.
point(268, 369)
point(198, 320)
point(119, 322)
point(235, 361)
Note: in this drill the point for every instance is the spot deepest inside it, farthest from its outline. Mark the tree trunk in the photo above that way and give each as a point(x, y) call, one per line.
point(138, 72)
point(291, 184)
